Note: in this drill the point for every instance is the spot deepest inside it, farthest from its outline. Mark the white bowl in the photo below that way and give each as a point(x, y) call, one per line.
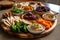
point(50, 12)
point(52, 19)
point(36, 32)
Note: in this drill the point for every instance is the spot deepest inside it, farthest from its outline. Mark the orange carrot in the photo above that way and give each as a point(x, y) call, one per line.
point(27, 8)
point(46, 23)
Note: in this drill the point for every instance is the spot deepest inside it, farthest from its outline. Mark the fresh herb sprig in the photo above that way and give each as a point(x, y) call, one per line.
point(19, 27)
point(17, 10)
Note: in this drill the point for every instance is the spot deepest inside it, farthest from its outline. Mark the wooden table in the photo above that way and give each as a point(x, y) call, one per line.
point(55, 35)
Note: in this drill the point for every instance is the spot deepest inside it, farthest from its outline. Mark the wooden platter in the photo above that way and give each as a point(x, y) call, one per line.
point(28, 35)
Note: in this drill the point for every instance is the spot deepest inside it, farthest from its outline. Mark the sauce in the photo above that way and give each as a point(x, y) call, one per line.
point(48, 16)
point(36, 27)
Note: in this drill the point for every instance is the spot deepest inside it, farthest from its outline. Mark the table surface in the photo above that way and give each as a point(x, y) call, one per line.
point(55, 35)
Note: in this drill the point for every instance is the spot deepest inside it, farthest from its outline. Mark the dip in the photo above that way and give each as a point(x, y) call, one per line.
point(48, 16)
point(36, 28)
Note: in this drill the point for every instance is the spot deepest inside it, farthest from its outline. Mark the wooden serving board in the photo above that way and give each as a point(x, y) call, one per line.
point(28, 35)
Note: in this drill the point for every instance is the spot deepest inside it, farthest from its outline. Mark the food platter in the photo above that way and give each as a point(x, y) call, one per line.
point(28, 20)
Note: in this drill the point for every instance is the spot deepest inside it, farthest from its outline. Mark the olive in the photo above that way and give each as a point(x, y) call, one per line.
point(30, 16)
point(42, 9)
point(38, 3)
point(29, 13)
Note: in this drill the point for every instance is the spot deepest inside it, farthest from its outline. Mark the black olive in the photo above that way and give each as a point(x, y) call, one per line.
point(30, 16)
point(38, 3)
point(29, 13)
point(42, 9)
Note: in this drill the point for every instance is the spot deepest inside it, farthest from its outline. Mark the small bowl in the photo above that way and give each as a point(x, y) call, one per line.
point(41, 10)
point(36, 32)
point(17, 14)
point(46, 14)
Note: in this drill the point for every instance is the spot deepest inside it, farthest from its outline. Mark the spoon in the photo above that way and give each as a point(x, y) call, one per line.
point(55, 13)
